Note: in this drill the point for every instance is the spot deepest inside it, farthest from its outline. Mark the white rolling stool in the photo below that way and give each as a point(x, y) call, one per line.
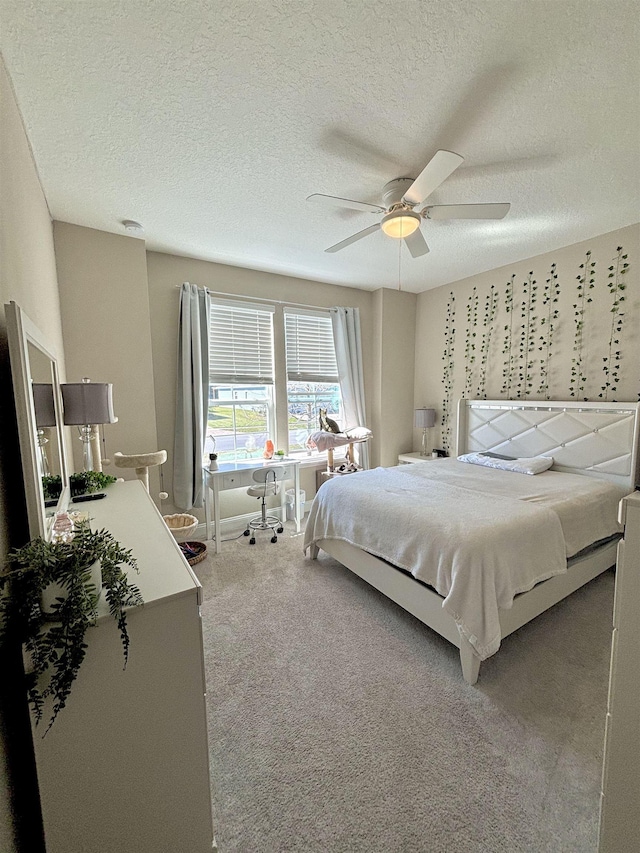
point(141, 462)
point(267, 482)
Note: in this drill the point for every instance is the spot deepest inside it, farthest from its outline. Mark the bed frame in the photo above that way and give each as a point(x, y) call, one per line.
point(594, 439)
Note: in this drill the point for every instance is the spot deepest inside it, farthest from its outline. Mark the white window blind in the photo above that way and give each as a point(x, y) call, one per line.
point(311, 354)
point(241, 343)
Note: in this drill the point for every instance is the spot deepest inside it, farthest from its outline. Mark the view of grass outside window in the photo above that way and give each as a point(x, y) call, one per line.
point(305, 399)
point(240, 421)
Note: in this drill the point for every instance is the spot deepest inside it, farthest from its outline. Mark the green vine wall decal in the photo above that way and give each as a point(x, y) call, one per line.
point(507, 347)
point(447, 371)
point(586, 283)
point(470, 343)
point(488, 324)
point(550, 297)
point(524, 384)
point(611, 362)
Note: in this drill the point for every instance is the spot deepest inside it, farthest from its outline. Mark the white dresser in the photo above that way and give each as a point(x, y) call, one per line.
point(125, 766)
point(620, 800)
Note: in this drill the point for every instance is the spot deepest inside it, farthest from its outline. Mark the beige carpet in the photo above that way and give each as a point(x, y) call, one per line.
point(339, 723)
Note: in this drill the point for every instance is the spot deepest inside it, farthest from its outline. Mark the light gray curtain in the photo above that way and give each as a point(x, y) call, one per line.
point(348, 344)
point(192, 397)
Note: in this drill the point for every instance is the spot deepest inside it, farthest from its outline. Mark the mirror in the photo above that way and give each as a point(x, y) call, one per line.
point(36, 389)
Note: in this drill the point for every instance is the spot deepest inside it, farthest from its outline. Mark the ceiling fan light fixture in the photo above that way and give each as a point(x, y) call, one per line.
point(400, 223)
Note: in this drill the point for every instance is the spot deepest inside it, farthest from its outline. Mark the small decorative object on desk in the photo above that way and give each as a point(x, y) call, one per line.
point(194, 552)
point(181, 524)
point(268, 449)
point(213, 461)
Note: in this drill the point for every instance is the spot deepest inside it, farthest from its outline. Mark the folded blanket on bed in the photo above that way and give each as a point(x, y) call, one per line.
point(477, 550)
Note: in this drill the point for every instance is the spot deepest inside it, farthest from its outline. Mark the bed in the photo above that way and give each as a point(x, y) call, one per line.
point(473, 552)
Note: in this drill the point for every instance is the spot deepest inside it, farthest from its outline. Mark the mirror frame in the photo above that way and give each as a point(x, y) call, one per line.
point(20, 333)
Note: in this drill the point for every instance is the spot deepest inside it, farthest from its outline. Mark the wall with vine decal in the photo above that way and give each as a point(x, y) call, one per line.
point(611, 362)
point(548, 320)
point(470, 343)
point(488, 326)
point(447, 370)
point(551, 327)
point(586, 283)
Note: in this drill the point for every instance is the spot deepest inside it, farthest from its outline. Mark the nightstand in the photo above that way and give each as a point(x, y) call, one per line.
point(406, 458)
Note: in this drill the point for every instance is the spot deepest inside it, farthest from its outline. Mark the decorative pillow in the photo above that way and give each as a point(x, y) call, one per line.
point(530, 465)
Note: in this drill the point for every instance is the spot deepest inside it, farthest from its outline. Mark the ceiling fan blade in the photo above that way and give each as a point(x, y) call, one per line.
point(466, 211)
point(335, 201)
point(438, 169)
point(416, 244)
point(354, 237)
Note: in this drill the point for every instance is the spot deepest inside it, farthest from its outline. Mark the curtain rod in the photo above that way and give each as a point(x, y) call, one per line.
point(256, 298)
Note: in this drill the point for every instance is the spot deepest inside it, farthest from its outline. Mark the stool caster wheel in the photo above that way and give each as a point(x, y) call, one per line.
point(274, 538)
point(246, 533)
point(280, 529)
point(252, 541)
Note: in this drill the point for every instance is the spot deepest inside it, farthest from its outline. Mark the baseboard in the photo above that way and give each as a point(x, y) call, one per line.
point(238, 522)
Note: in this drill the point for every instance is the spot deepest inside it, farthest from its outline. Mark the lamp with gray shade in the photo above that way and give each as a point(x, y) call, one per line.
point(45, 417)
point(87, 404)
point(425, 419)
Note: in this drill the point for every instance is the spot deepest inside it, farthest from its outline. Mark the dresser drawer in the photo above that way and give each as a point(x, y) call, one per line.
point(236, 479)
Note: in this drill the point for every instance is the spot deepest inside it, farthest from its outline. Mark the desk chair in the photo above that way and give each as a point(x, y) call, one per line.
point(267, 480)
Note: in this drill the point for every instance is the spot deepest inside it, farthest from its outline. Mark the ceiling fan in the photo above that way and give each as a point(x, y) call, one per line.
point(402, 195)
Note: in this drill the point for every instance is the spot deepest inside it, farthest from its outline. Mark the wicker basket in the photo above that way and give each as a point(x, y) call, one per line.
point(181, 524)
point(194, 552)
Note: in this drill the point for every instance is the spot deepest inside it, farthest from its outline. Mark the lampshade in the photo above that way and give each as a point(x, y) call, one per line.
point(400, 223)
point(88, 403)
point(43, 404)
point(424, 418)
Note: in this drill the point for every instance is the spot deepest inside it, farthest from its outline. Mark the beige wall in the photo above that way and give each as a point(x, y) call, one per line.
point(107, 331)
point(28, 277)
point(394, 340)
point(165, 272)
point(432, 306)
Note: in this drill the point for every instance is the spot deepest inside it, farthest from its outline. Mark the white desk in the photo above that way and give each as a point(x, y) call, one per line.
point(235, 475)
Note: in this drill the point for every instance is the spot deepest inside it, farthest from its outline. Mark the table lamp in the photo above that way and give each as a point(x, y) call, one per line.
point(425, 419)
point(45, 417)
point(87, 404)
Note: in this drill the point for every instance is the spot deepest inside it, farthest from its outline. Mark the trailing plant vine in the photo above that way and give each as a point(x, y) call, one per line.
point(611, 362)
point(55, 641)
point(488, 323)
point(507, 347)
point(447, 372)
point(526, 342)
point(550, 297)
point(470, 342)
point(586, 283)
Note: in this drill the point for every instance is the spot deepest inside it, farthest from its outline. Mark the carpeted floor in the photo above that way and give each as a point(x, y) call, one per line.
point(339, 723)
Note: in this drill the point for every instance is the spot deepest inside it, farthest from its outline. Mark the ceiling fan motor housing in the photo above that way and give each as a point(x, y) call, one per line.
point(394, 191)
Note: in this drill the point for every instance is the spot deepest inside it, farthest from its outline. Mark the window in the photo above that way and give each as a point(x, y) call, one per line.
point(312, 374)
point(241, 406)
point(244, 384)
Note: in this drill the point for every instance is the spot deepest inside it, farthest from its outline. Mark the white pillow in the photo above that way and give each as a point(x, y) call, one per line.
point(524, 465)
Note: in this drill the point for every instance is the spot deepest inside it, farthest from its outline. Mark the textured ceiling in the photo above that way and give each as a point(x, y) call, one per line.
point(211, 122)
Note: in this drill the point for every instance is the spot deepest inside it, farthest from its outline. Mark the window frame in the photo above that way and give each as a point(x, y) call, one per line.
point(278, 411)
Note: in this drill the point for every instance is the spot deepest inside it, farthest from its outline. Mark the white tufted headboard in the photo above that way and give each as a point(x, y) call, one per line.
point(596, 439)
